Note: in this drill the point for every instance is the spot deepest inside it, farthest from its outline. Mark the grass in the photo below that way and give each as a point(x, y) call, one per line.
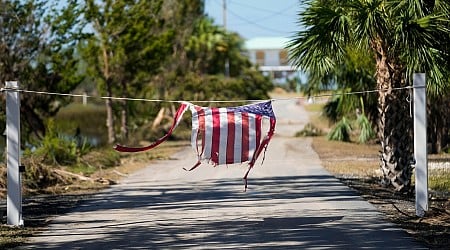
point(11, 237)
point(316, 118)
point(351, 160)
point(439, 180)
point(82, 169)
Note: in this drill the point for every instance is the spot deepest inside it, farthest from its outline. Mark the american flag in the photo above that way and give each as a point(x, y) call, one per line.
point(224, 135)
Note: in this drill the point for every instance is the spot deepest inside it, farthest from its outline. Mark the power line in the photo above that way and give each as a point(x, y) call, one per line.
point(254, 23)
point(273, 14)
point(257, 24)
point(265, 10)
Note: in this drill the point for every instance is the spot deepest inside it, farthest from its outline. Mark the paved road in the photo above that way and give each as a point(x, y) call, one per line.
point(291, 203)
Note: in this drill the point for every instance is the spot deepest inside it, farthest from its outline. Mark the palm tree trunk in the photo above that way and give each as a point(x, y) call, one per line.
point(394, 123)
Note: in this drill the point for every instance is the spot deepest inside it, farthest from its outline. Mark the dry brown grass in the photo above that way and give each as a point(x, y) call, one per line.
point(351, 160)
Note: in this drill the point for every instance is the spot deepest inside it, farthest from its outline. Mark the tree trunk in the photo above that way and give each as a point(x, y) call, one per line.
point(108, 102)
point(124, 113)
point(110, 116)
point(124, 121)
point(394, 123)
point(159, 117)
point(438, 123)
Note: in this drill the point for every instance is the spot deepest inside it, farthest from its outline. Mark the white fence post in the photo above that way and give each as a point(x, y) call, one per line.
point(420, 143)
point(14, 198)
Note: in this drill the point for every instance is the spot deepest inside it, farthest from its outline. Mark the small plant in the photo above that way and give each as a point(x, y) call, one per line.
point(366, 132)
point(102, 158)
point(57, 149)
point(309, 130)
point(341, 131)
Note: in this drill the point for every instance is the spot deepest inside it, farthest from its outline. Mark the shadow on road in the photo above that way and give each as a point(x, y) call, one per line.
point(276, 213)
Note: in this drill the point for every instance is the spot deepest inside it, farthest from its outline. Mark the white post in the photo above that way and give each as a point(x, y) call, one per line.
point(84, 98)
point(14, 198)
point(420, 143)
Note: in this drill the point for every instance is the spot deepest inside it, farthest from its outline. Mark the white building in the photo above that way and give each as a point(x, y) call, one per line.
point(271, 57)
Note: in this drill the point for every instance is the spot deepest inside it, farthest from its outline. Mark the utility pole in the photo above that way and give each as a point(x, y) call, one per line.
point(227, 61)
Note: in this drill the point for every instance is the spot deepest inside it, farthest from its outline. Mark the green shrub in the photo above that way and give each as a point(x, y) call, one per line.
point(341, 131)
point(57, 149)
point(309, 130)
point(102, 158)
point(366, 132)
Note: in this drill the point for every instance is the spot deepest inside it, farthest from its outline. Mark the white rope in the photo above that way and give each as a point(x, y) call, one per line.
point(211, 101)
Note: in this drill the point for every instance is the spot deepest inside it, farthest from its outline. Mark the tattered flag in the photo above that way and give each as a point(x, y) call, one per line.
point(224, 135)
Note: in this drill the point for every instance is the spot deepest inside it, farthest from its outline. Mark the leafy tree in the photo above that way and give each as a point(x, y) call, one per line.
point(210, 45)
point(37, 47)
point(201, 76)
point(181, 17)
point(208, 41)
point(404, 37)
point(128, 46)
point(207, 49)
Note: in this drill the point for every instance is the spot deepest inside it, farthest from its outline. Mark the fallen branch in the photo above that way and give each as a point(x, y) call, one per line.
point(80, 177)
point(119, 173)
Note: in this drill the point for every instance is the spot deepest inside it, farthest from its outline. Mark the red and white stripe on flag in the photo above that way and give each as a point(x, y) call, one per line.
point(224, 136)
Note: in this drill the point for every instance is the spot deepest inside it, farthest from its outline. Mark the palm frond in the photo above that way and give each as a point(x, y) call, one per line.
point(341, 131)
point(322, 44)
point(370, 20)
point(366, 132)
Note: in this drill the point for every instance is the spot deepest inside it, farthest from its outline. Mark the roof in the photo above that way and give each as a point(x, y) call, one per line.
point(266, 43)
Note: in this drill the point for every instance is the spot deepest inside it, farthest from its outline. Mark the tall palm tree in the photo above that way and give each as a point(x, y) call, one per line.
point(405, 36)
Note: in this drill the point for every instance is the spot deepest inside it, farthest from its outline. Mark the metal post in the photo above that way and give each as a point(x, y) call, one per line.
point(420, 143)
point(14, 198)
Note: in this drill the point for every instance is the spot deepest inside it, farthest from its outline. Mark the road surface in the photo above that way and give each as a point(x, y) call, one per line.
point(291, 203)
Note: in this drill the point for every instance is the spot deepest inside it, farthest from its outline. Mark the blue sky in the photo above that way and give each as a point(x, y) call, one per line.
point(257, 18)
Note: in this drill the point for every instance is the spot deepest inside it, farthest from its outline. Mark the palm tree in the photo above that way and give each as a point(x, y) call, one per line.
point(405, 36)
